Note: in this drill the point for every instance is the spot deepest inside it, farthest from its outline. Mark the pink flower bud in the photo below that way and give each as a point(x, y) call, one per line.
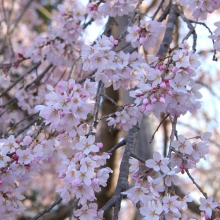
point(99, 145)
point(169, 93)
point(160, 58)
point(153, 101)
point(115, 42)
point(163, 85)
point(135, 175)
point(61, 113)
point(83, 95)
point(16, 64)
point(20, 55)
point(139, 95)
point(175, 69)
point(95, 182)
point(138, 30)
point(61, 176)
point(168, 84)
point(15, 157)
point(75, 182)
point(142, 40)
point(162, 100)
point(1, 182)
point(68, 99)
point(145, 101)
point(154, 90)
point(162, 67)
point(143, 107)
point(71, 85)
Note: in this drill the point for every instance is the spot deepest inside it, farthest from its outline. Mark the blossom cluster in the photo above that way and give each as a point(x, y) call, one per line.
point(19, 162)
point(169, 87)
point(82, 176)
point(112, 68)
point(163, 85)
point(113, 8)
point(216, 36)
point(200, 8)
point(146, 34)
point(149, 191)
point(67, 108)
point(126, 118)
point(61, 46)
point(68, 105)
point(27, 100)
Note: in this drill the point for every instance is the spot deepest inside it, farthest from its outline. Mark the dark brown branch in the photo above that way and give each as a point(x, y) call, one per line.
point(121, 143)
point(169, 31)
point(122, 183)
point(138, 158)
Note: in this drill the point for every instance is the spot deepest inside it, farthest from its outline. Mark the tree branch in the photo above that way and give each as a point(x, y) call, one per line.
point(48, 209)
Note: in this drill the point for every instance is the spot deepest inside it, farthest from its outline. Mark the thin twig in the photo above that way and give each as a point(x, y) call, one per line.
point(158, 9)
point(98, 98)
point(110, 99)
point(48, 209)
point(88, 76)
point(21, 15)
point(159, 127)
point(173, 132)
point(190, 26)
point(196, 184)
point(165, 13)
point(209, 30)
point(38, 79)
point(35, 66)
point(32, 122)
point(120, 144)
point(138, 158)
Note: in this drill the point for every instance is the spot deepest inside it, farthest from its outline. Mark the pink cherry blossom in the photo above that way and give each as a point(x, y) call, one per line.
point(207, 205)
point(157, 163)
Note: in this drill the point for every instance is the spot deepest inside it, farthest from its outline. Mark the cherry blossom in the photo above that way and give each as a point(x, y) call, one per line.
point(136, 193)
point(157, 163)
point(66, 98)
point(183, 145)
point(134, 165)
point(207, 205)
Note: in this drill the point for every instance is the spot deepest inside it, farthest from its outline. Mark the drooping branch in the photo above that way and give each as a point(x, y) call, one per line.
point(122, 183)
